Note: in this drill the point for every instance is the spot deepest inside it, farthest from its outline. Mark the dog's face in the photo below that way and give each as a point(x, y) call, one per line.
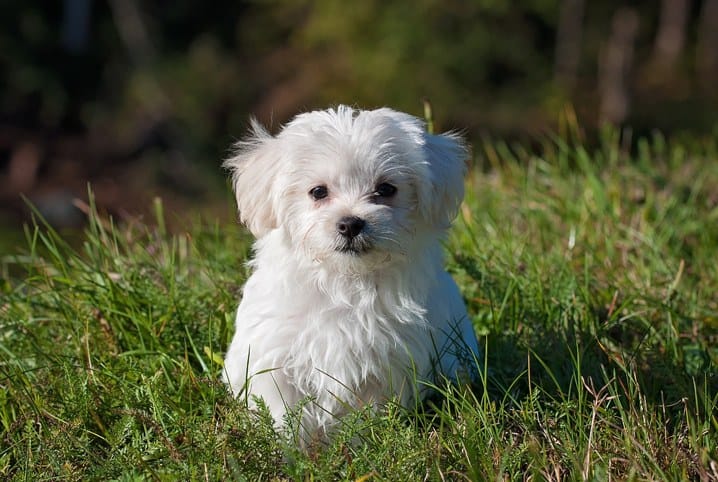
point(357, 187)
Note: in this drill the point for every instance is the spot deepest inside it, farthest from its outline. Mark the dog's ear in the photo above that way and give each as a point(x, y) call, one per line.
point(441, 193)
point(254, 166)
point(440, 174)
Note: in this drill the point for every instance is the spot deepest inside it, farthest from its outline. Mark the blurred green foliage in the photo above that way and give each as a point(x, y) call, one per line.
point(198, 71)
point(468, 57)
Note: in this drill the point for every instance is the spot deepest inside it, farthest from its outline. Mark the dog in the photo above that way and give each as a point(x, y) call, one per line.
point(348, 303)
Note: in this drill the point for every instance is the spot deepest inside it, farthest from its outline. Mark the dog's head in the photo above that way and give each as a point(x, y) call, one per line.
point(342, 183)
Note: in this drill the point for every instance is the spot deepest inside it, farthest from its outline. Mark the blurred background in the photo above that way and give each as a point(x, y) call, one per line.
point(144, 98)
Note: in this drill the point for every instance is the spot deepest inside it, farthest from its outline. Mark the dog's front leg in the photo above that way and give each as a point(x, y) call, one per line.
point(278, 394)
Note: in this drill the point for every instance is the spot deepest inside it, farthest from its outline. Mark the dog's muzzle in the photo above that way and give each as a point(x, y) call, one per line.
point(353, 239)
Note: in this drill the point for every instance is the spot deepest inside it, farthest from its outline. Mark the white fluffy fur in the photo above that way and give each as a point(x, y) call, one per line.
point(327, 329)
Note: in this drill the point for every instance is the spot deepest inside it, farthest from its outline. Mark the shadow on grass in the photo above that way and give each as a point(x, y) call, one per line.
point(561, 340)
point(560, 365)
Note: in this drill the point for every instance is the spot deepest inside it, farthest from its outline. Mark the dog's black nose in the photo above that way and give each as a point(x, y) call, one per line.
point(350, 226)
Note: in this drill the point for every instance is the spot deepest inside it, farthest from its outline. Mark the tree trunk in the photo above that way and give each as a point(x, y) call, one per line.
point(615, 65)
point(707, 49)
point(568, 43)
point(671, 36)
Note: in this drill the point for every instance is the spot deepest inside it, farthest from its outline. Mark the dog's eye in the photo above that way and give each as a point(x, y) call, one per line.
point(385, 190)
point(319, 192)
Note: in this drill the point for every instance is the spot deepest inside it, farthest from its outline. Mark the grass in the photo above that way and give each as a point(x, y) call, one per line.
point(591, 277)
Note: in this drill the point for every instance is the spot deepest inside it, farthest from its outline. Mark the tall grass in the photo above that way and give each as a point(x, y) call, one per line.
point(591, 277)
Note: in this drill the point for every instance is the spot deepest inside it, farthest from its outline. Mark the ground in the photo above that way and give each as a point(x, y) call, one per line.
point(589, 273)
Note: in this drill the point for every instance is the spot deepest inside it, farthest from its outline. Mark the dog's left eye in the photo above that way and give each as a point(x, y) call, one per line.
point(385, 190)
point(319, 192)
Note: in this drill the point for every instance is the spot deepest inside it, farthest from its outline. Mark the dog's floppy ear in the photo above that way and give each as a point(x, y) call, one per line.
point(440, 194)
point(254, 166)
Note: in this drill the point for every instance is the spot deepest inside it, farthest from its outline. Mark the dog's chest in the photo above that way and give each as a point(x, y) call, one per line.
point(360, 336)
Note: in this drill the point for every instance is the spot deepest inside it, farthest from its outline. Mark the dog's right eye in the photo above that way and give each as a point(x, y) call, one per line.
point(319, 192)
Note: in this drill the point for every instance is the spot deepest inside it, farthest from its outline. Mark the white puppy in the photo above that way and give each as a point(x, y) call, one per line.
point(348, 303)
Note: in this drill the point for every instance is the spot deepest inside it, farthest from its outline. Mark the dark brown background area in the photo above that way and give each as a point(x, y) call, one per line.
point(143, 98)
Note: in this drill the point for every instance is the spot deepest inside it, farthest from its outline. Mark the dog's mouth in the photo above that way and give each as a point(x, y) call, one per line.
point(352, 250)
point(354, 247)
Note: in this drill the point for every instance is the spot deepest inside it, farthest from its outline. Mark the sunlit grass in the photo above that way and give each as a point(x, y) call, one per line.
point(590, 275)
